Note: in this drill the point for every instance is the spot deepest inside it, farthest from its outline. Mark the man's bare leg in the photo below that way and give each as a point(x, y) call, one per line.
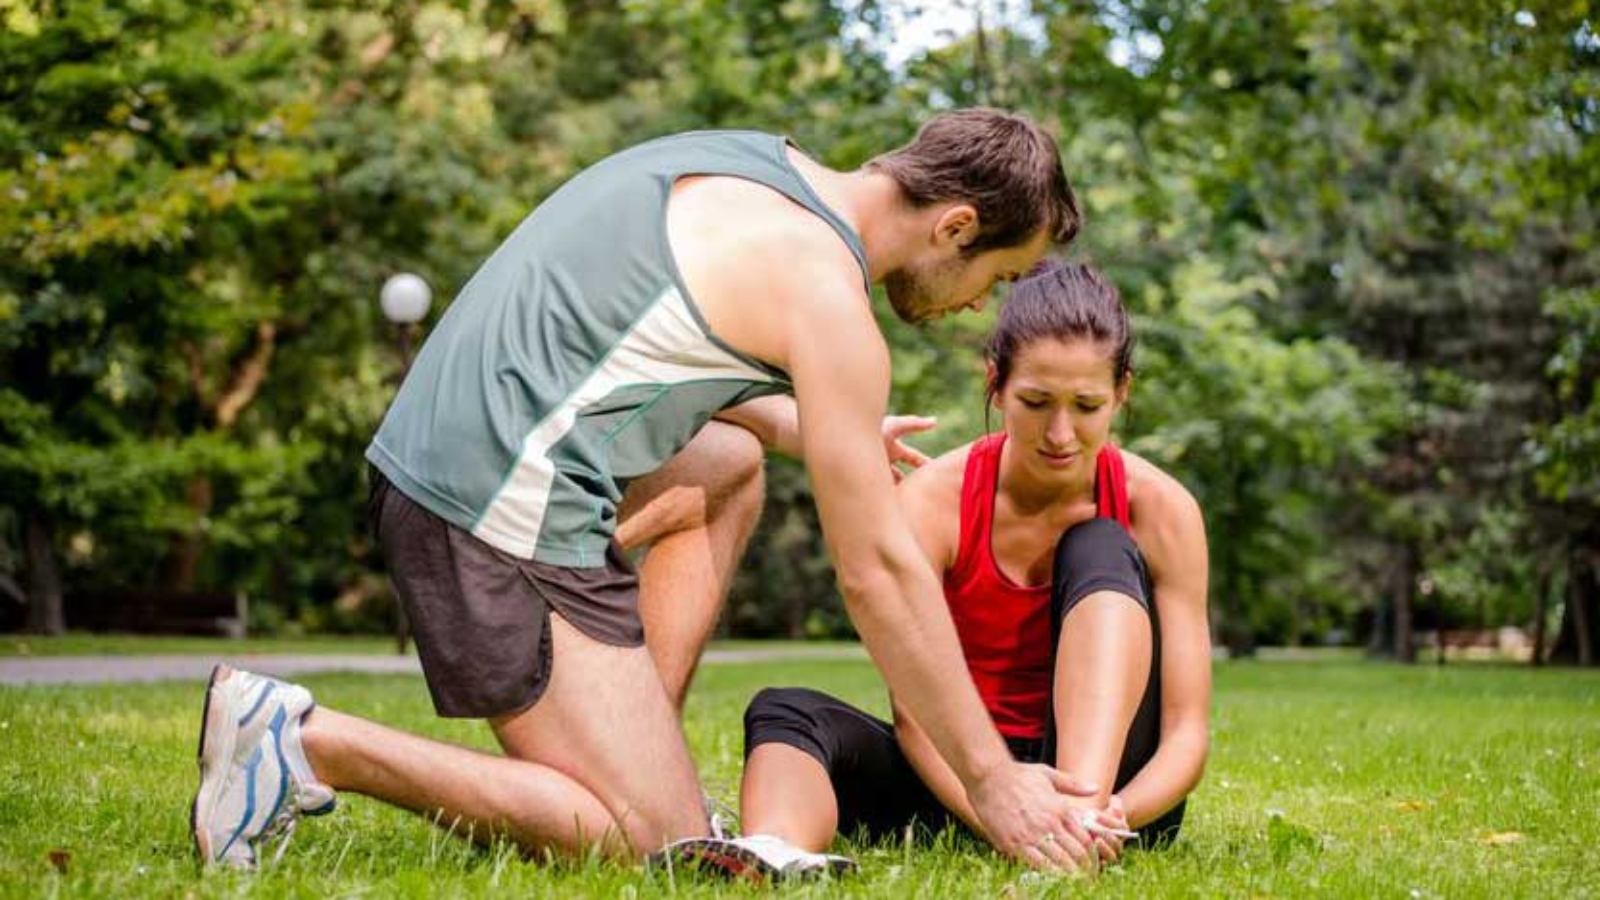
point(1102, 665)
point(476, 795)
point(602, 747)
point(695, 514)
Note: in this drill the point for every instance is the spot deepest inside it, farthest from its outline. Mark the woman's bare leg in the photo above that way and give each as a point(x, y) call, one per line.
point(787, 793)
point(1102, 665)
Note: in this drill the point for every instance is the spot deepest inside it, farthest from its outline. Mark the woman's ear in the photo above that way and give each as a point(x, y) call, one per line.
point(1124, 391)
point(991, 377)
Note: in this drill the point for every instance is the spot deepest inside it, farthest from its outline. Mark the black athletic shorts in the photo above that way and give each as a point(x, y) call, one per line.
point(879, 794)
point(481, 617)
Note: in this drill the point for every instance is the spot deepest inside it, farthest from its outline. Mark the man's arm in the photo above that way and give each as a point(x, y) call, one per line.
point(931, 501)
point(932, 769)
point(775, 421)
point(840, 367)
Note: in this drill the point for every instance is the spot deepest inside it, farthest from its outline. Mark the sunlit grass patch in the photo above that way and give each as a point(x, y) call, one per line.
point(1339, 780)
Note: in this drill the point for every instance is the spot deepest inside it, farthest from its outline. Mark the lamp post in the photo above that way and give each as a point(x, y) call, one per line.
point(405, 299)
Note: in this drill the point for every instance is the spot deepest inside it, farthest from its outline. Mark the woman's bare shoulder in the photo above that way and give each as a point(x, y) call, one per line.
point(931, 499)
point(938, 482)
point(1164, 512)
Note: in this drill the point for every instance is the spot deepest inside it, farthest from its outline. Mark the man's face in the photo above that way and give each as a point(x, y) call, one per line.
point(947, 282)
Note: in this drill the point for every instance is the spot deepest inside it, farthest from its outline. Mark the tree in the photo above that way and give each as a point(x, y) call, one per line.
point(1566, 459)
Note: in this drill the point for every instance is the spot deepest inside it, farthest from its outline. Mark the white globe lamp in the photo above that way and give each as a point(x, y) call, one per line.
point(405, 298)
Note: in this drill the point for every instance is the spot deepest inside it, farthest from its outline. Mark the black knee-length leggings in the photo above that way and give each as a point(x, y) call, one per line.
point(877, 790)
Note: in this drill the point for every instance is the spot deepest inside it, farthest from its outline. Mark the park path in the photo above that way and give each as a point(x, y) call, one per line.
point(188, 667)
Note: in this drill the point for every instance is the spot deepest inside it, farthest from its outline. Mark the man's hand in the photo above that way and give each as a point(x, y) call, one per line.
point(1027, 813)
point(897, 427)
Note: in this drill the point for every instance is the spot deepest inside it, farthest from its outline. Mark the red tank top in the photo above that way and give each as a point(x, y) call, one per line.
point(1005, 627)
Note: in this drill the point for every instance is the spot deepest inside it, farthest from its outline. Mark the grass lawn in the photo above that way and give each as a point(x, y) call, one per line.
point(85, 644)
point(1326, 779)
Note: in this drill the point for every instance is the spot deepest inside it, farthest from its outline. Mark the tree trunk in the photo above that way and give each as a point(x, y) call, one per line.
point(1541, 611)
point(1237, 633)
point(1240, 637)
point(980, 58)
point(1405, 595)
point(45, 614)
point(1580, 623)
point(794, 616)
point(1381, 644)
point(181, 569)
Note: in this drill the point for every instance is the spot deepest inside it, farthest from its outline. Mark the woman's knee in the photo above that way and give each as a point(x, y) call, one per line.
point(787, 715)
point(1094, 556)
point(1096, 542)
point(780, 706)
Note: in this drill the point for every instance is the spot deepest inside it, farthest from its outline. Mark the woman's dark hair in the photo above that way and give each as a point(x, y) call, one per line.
point(1002, 163)
point(1062, 301)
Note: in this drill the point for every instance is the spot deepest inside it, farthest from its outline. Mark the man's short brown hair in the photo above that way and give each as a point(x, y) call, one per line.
point(1002, 163)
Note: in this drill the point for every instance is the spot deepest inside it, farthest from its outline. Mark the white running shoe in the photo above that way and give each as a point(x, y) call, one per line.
point(757, 857)
point(254, 777)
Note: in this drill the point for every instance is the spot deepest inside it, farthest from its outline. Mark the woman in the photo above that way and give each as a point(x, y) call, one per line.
point(1076, 576)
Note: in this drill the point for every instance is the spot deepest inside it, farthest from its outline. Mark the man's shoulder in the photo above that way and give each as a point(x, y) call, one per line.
point(786, 234)
point(770, 276)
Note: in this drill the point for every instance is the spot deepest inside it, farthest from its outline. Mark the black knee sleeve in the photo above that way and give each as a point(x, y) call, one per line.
point(1097, 555)
point(792, 716)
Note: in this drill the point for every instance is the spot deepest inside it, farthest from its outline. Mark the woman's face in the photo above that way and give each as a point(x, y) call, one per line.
point(1057, 406)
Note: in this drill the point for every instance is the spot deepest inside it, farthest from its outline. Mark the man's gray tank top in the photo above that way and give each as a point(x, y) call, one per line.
point(575, 359)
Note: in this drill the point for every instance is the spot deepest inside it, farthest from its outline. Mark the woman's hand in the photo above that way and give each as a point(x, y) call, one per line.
point(1112, 819)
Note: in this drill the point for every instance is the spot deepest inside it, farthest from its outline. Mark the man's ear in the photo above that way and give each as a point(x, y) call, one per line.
point(957, 225)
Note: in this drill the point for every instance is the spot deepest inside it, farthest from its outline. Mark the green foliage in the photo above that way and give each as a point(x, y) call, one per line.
point(1403, 182)
point(1359, 243)
point(1267, 431)
point(1566, 452)
point(1488, 579)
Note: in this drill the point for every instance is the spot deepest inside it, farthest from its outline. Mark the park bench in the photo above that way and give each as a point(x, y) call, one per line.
point(161, 612)
point(1478, 643)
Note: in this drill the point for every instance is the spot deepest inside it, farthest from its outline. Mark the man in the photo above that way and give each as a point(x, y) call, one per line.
point(608, 380)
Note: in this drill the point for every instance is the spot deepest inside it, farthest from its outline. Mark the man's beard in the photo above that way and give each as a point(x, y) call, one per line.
point(913, 292)
point(904, 295)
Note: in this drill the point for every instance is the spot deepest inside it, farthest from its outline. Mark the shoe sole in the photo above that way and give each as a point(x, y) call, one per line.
point(213, 753)
point(720, 858)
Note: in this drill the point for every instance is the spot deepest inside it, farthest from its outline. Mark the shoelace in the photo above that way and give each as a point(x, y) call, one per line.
point(281, 828)
point(724, 819)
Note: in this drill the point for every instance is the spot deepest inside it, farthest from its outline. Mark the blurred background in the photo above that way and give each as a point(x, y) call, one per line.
point(1360, 240)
